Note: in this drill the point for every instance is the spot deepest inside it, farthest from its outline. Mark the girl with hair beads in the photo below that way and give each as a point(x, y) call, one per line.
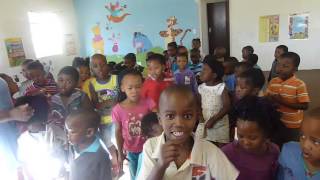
point(215, 102)
point(127, 117)
point(253, 154)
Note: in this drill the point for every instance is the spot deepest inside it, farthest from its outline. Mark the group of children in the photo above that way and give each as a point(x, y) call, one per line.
point(178, 117)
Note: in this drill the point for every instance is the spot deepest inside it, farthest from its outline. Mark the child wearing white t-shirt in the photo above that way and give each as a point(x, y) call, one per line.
point(176, 154)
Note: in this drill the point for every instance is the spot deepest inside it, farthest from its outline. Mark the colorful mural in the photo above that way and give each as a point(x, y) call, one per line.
point(141, 42)
point(115, 40)
point(138, 27)
point(97, 41)
point(115, 12)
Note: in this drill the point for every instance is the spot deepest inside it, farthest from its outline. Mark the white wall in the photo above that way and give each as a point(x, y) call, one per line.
point(14, 23)
point(244, 29)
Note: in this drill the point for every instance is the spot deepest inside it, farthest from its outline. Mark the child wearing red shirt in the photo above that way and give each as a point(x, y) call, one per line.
point(157, 80)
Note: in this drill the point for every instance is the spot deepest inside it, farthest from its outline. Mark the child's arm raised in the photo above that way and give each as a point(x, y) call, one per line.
point(224, 110)
point(169, 153)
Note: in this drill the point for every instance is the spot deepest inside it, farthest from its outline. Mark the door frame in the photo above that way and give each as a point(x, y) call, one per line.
point(203, 19)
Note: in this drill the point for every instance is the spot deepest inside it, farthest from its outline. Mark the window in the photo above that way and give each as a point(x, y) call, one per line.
point(46, 32)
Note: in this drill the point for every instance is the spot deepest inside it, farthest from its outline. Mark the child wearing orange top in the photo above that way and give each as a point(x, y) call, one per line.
point(290, 93)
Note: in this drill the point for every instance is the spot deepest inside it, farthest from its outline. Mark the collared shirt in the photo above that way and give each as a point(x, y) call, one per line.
point(91, 163)
point(292, 165)
point(206, 162)
point(292, 90)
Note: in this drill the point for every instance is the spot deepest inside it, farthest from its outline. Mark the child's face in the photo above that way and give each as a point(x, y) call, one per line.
point(278, 52)
point(310, 140)
point(206, 74)
point(178, 116)
point(100, 68)
point(245, 54)
point(172, 51)
point(239, 70)
point(84, 73)
point(76, 131)
point(155, 69)
point(244, 89)
point(250, 136)
point(66, 84)
point(195, 58)
point(228, 68)
point(129, 63)
point(131, 85)
point(24, 71)
point(182, 62)
point(196, 44)
point(285, 68)
point(37, 76)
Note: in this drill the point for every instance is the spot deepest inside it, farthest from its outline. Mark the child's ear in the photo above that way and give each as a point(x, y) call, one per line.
point(159, 119)
point(215, 75)
point(90, 132)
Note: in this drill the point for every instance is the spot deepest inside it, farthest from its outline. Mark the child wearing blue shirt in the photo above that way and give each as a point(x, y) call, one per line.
point(302, 160)
point(229, 75)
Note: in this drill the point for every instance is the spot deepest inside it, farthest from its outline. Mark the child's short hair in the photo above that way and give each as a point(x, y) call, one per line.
point(283, 47)
point(39, 104)
point(77, 61)
point(196, 40)
point(261, 111)
point(243, 65)
point(232, 60)
point(147, 122)
point(254, 77)
point(173, 44)
point(90, 118)
point(35, 65)
point(215, 66)
point(99, 56)
point(249, 49)
point(179, 89)
point(294, 57)
point(26, 62)
point(71, 71)
point(131, 57)
point(157, 57)
point(183, 55)
point(253, 59)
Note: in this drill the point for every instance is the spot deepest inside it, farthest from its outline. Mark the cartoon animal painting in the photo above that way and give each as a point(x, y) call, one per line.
point(141, 42)
point(115, 11)
point(171, 33)
point(97, 41)
point(115, 40)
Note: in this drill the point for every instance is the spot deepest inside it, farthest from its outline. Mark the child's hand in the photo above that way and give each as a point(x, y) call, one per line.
point(210, 123)
point(169, 153)
point(21, 113)
point(121, 158)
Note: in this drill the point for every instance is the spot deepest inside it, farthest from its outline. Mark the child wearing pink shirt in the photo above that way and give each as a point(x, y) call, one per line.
point(127, 117)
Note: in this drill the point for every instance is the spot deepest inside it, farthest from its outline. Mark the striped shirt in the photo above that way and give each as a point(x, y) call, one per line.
point(292, 90)
point(49, 88)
